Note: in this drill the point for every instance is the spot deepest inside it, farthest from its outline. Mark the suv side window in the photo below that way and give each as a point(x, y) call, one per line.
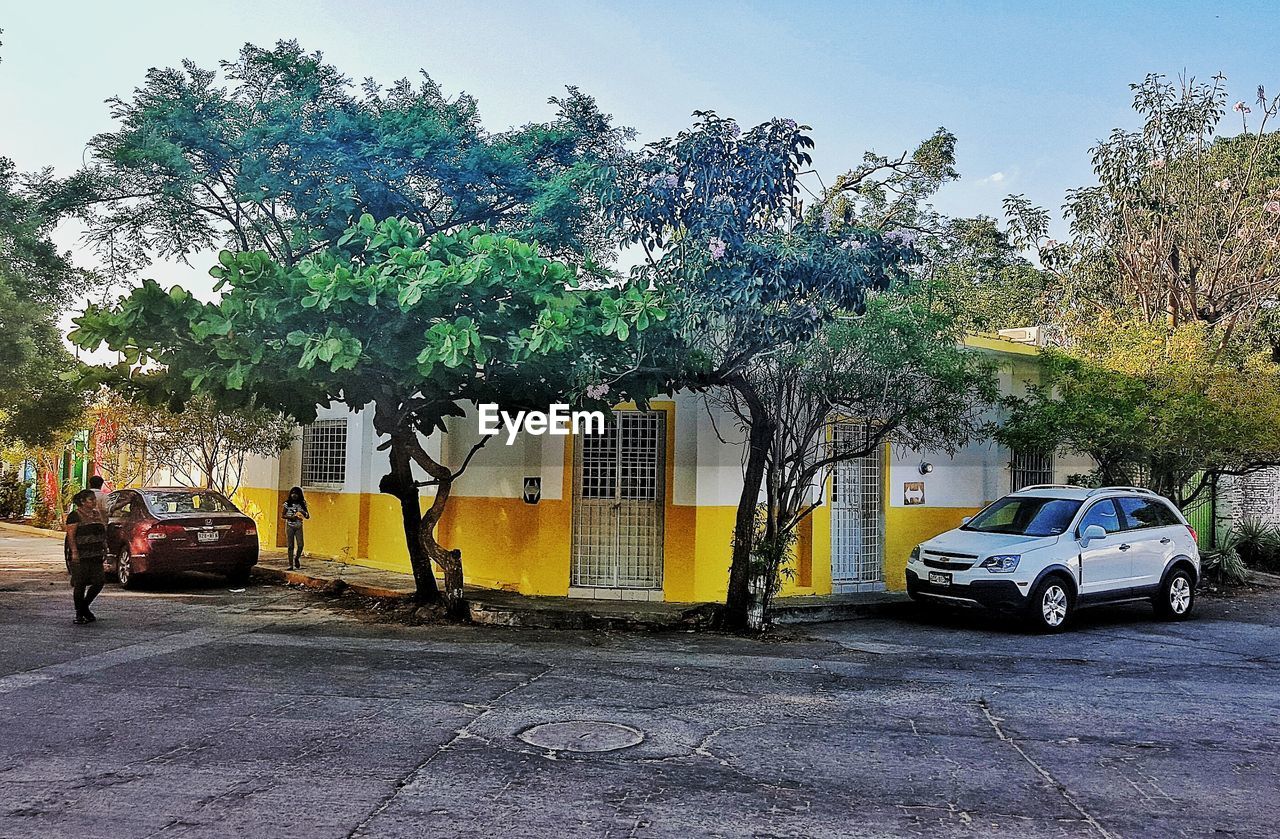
point(1146, 512)
point(1104, 514)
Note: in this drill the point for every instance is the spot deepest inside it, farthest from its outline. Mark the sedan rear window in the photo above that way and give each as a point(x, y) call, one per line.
point(179, 503)
point(1026, 516)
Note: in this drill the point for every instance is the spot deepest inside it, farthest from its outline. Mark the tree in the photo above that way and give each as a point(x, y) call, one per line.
point(36, 283)
point(409, 324)
point(718, 215)
point(979, 274)
point(1183, 225)
point(1153, 407)
point(201, 446)
point(898, 371)
point(282, 154)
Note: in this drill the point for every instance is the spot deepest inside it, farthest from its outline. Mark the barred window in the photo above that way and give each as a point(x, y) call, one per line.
point(1029, 468)
point(324, 453)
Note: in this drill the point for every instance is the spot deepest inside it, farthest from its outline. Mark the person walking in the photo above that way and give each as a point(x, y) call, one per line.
point(86, 547)
point(295, 510)
point(100, 493)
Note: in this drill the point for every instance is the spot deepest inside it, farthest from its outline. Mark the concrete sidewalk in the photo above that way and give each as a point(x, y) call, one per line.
point(506, 608)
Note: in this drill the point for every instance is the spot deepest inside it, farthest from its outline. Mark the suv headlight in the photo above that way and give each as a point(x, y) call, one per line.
point(1001, 563)
point(915, 554)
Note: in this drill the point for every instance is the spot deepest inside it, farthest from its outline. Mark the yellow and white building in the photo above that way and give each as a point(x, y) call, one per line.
point(645, 511)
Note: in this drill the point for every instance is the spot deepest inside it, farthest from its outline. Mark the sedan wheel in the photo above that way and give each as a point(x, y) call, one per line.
point(124, 569)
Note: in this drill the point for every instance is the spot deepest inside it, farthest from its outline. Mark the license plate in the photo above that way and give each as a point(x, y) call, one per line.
point(938, 578)
point(212, 536)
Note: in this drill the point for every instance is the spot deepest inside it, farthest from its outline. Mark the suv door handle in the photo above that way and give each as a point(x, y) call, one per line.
point(1124, 547)
point(1165, 540)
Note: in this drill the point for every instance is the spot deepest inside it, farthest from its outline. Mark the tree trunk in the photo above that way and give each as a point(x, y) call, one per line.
point(399, 483)
point(737, 604)
point(449, 560)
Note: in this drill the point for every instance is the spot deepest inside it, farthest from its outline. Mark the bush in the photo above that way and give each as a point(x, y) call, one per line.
point(1257, 543)
point(13, 496)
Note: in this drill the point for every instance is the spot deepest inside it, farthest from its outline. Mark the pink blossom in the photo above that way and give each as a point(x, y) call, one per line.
point(1272, 207)
point(1158, 163)
point(599, 391)
point(1241, 108)
point(1224, 184)
point(716, 246)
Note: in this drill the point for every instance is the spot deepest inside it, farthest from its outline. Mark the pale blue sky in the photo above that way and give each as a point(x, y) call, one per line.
point(1027, 87)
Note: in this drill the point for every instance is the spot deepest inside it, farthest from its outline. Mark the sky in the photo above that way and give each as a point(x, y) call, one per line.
point(1028, 87)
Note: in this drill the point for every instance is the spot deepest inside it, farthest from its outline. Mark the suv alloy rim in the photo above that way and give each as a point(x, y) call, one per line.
point(1054, 605)
point(1180, 595)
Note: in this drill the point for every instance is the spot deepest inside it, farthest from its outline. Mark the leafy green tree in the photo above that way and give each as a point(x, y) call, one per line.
point(976, 271)
point(36, 283)
point(1164, 409)
point(410, 325)
point(898, 370)
point(281, 153)
point(718, 215)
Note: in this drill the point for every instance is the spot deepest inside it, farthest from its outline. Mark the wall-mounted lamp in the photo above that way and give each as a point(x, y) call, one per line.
point(925, 467)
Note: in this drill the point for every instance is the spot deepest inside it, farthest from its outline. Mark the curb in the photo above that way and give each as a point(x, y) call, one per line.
point(31, 531)
point(329, 584)
point(793, 615)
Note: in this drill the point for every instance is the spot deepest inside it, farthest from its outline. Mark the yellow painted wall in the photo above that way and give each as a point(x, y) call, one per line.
point(906, 527)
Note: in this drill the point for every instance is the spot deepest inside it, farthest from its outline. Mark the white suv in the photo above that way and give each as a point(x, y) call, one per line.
point(1047, 550)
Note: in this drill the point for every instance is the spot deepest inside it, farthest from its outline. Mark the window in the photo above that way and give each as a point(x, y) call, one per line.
point(1103, 514)
point(1030, 468)
point(324, 453)
point(1146, 512)
point(187, 502)
point(1026, 516)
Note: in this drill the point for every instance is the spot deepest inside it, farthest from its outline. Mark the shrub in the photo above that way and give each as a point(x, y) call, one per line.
point(13, 496)
point(1258, 543)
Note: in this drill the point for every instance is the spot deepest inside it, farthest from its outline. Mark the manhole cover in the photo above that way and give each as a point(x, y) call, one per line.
point(582, 736)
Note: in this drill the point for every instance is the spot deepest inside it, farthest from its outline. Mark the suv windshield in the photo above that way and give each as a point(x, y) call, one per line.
point(177, 502)
point(1026, 516)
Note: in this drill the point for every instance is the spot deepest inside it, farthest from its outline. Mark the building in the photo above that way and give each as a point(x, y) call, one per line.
point(645, 511)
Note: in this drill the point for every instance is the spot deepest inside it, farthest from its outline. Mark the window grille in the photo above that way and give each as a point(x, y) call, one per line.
point(324, 453)
point(1029, 468)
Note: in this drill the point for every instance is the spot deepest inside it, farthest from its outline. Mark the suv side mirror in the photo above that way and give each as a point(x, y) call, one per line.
point(966, 519)
point(1091, 533)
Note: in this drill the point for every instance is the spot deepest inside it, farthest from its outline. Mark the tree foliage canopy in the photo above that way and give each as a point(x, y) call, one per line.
point(280, 152)
point(36, 283)
point(1153, 407)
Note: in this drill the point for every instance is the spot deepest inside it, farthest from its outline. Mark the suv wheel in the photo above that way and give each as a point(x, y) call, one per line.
point(1050, 605)
point(1177, 596)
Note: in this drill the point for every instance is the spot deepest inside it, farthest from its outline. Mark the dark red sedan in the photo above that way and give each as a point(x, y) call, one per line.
point(159, 530)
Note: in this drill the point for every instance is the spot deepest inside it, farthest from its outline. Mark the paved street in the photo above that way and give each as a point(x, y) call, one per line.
point(193, 710)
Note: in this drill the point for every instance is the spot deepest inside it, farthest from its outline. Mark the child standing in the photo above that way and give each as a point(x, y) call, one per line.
point(295, 510)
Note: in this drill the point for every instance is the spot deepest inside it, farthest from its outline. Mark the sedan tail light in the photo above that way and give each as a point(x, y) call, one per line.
point(251, 531)
point(163, 531)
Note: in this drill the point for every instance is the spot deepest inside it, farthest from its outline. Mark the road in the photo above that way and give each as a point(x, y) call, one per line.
point(192, 710)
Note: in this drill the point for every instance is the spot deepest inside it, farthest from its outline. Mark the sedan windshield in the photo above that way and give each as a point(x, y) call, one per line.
point(177, 502)
point(1026, 516)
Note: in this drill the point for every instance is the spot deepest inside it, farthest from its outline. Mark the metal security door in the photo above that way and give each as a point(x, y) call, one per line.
point(857, 523)
point(618, 492)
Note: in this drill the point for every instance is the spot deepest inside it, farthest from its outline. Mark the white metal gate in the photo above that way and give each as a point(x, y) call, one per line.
point(857, 521)
point(619, 484)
